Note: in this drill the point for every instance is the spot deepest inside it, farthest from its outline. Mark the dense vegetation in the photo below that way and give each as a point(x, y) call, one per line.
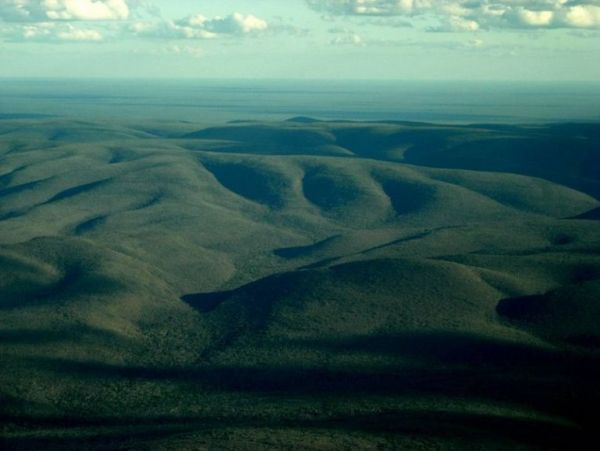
point(298, 285)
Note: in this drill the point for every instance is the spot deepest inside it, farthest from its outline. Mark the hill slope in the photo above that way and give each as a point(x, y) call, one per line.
point(297, 285)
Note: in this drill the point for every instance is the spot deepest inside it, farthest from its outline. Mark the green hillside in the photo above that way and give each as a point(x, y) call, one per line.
point(298, 285)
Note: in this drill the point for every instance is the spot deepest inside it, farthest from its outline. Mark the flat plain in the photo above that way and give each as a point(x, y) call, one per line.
point(298, 284)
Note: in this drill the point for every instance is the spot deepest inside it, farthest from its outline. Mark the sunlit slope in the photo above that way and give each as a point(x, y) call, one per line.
point(70, 298)
point(206, 212)
point(299, 284)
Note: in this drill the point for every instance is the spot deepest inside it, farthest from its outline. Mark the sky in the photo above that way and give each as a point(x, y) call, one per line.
point(511, 40)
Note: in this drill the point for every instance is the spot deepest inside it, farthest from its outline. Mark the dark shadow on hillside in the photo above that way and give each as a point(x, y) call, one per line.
point(258, 297)
point(593, 215)
point(554, 155)
point(29, 186)
point(76, 190)
point(303, 251)
point(472, 428)
point(89, 225)
point(447, 365)
point(407, 197)
point(328, 190)
point(567, 315)
point(562, 153)
point(206, 302)
point(253, 183)
point(373, 142)
point(448, 348)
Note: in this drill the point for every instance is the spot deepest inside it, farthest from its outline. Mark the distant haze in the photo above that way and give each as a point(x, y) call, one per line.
point(213, 101)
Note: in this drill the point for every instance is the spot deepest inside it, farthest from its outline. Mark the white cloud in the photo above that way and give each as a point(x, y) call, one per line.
point(79, 34)
point(167, 29)
point(53, 32)
point(33, 19)
point(235, 23)
point(200, 27)
point(582, 16)
point(69, 10)
point(87, 9)
point(536, 18)
point(471, 15)
point(371, 7)
point(34, 32)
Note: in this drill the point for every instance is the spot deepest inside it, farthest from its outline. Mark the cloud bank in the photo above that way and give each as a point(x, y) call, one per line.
point(200, 27)
point(472, 15)
point(54, 32)
point(109, 20)
point(89, 20)
point(65, 10)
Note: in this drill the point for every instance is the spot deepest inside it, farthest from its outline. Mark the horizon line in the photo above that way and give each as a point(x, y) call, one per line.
point(288, 79)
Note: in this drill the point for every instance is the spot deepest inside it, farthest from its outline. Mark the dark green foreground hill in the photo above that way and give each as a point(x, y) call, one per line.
point(298, 285)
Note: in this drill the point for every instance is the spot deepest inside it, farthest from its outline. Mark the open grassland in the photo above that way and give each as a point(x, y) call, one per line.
point(298, 285)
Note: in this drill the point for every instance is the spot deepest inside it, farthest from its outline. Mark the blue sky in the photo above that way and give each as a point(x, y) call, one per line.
point(536, 40)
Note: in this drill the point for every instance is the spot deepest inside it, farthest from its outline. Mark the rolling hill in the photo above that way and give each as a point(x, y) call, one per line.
point(298, 285)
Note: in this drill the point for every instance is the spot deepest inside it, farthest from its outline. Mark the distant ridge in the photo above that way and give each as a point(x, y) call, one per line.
point(303, 120)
